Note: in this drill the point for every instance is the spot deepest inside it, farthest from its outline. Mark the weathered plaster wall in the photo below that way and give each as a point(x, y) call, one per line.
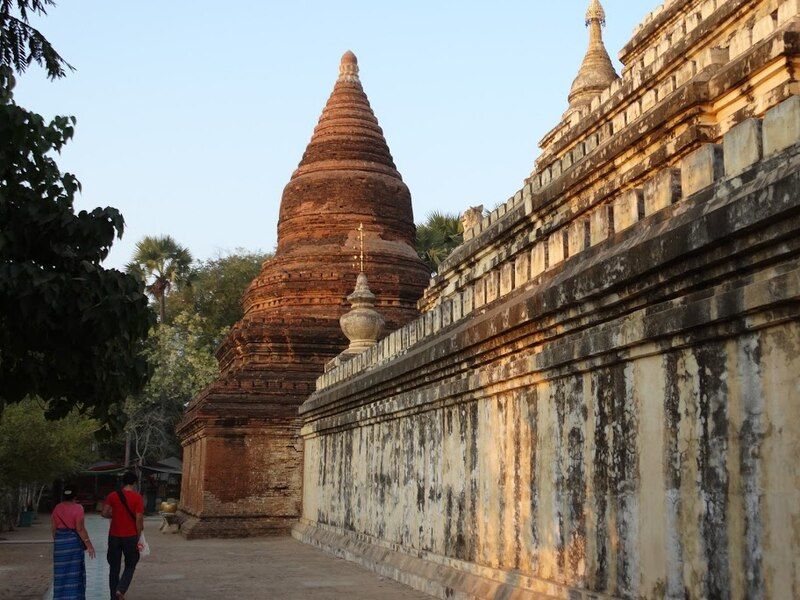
point(623, 424)
point(601, 398)
point(667, 475)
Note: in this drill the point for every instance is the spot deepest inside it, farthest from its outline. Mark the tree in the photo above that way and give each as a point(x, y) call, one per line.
point(437, 237)
point(215, 292)
point(162, 263)
point(182, 366)
point(70, 331)
point(180, 351)
point(21, 44)
point(34, 452)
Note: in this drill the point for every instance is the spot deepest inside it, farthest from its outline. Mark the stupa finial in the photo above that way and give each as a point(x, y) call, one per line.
point(595, 13)
point(597, 72)
point(362, 324)
point(348, 67)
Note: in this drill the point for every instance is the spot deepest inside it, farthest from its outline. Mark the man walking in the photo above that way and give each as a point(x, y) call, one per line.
point(125, 508)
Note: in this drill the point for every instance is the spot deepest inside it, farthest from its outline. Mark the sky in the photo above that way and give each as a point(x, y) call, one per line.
point(193, 114)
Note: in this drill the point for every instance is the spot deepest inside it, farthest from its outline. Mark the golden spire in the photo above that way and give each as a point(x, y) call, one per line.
point(358, 259)
point(597, 72)
point(361, 249)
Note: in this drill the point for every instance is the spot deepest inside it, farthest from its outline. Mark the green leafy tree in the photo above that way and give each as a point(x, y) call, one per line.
point(437, 237)
point(215, 292)
point(182, 366)
point(181, 350)
point(71, 331)
point(34, 451)
point(21, 44)
point(162, 263)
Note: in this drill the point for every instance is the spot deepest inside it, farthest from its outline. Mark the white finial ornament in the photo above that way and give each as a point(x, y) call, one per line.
point(362, 324)
point(595, 13)
point(348, 67)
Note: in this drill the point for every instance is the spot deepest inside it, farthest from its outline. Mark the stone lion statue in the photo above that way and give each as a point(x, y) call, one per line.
point(471, 217)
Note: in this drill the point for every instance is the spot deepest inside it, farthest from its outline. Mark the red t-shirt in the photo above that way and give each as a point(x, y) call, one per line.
point(121, 523)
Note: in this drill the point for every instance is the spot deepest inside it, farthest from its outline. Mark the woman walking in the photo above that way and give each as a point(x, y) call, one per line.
point(69, 537)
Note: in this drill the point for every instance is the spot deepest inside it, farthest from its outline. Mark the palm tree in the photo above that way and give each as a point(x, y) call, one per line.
point(161, 263)
point(437, 237)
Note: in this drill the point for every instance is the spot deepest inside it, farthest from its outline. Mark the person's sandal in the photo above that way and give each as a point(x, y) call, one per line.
point(120, 596)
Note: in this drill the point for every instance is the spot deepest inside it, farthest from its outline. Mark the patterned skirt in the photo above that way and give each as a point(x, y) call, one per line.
point(69, 572)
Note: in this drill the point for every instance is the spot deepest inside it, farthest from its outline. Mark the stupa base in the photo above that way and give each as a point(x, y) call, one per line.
point(199, 527)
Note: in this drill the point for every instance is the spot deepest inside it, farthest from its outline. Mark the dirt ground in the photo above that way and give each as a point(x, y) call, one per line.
point(255, 569)
point(262, 568)
point(25, 567)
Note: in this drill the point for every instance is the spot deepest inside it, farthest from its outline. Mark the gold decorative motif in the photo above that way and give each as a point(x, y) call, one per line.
point(361, 247)
point(359, 257)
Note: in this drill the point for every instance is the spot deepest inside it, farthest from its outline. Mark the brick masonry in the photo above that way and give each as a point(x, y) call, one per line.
point(242, 451)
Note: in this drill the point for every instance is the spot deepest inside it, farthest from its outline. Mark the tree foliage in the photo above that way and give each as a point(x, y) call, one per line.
point(437, 237)
point(161, 263)
point(182, 366)
point(180, 351)
point(215, 291)
point(34, 451)
point(70, 330)
point(21, 44)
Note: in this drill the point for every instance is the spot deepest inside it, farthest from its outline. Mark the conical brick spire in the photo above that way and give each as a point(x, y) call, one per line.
point(347, 177)
point(348, 134)
point(597, 72)
point(241, 433)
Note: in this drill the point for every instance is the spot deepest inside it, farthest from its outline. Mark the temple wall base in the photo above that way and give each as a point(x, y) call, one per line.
point(432, 574)
point(242, 478)
point(196, 527)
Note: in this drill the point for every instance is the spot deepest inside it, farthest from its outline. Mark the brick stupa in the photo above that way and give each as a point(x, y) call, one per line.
point(242, 453)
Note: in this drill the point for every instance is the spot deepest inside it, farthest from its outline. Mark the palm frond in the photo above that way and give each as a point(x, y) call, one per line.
point(437, 237)
point(161, 262)
point(22, 44)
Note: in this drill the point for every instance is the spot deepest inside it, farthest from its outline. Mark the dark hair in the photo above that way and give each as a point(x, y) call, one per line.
point(68, 493)
point(129, 478)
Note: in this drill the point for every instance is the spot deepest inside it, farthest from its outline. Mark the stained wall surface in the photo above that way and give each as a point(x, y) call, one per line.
point(669, 475)
point(602, 397)
point(569, 440)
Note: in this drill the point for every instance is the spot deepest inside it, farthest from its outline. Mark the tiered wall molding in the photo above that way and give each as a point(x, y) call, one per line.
point(600, 399)
point(745, 144)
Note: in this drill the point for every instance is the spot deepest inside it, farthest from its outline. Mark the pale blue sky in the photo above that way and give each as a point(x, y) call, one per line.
point(192, 114)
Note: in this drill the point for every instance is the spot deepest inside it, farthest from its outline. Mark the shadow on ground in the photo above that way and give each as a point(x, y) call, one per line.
point(264, 568)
